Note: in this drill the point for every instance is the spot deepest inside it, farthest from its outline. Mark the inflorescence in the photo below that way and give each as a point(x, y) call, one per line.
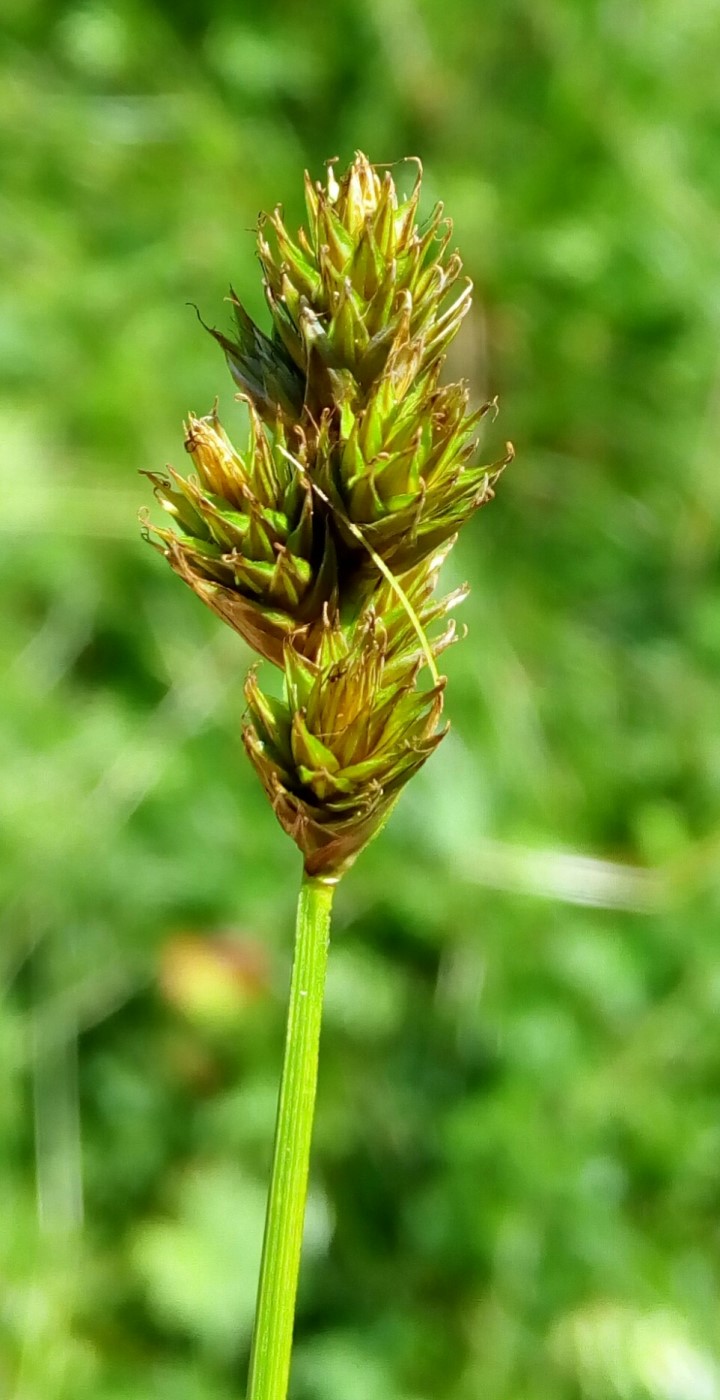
point(322, 541)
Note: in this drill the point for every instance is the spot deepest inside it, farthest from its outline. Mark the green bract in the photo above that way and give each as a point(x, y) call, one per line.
point(321, 543)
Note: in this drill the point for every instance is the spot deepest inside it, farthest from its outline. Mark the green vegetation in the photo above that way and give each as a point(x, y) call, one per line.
point(515, 1189)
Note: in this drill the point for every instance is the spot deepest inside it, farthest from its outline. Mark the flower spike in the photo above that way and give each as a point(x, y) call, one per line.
point(321, 542)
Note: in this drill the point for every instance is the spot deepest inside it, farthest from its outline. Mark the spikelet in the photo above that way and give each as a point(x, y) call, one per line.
point(252, 543)
point(353, 726)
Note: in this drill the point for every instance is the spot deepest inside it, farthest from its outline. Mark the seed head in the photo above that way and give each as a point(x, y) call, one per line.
point(321, 543)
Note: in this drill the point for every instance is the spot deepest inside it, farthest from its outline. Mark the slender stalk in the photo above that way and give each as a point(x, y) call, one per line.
point(275, 1316)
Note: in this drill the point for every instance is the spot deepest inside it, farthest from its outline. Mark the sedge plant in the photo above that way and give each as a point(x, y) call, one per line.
point(321, 543)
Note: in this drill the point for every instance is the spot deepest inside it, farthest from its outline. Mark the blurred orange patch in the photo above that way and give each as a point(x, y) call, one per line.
point(212, 979)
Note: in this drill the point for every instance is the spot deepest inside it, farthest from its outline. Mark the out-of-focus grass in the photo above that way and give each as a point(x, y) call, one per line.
point(516, 1183)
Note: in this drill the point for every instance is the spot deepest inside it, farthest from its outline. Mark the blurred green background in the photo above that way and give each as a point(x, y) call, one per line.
point(516, 1182)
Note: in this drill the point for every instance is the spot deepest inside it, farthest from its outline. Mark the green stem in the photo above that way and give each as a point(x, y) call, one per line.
point(275, 1316)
